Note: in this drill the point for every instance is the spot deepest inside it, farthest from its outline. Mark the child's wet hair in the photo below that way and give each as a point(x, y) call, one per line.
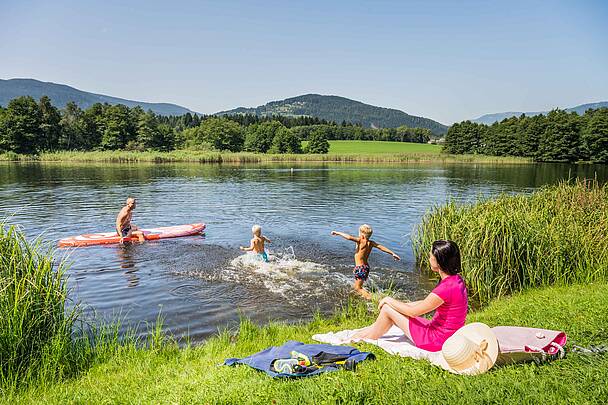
point(366, 230)
point(256, 230)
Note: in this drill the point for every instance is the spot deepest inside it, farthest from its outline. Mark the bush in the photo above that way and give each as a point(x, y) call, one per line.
point(557, 235)
point(317, 143)
point(259, 137)
point(223, 134)
point(285, 141)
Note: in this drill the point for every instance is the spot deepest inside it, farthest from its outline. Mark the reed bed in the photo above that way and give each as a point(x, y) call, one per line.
point(35, 329)
point(42, 340)
point(555, 236)
point(194, 156)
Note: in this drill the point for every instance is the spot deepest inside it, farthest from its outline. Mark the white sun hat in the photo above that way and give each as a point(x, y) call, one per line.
point(471, 350)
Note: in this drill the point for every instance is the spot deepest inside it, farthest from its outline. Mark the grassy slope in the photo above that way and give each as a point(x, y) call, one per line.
point(193, 375)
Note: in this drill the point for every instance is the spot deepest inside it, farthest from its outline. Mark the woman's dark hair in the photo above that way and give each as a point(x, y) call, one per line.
point(448, 256)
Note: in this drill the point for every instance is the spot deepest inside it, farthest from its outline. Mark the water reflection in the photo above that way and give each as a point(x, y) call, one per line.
point(127, 262)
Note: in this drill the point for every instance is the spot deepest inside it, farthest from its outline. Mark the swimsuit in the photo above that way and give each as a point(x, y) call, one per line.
point(125, 231)
point(361, 272)
point(264, 257)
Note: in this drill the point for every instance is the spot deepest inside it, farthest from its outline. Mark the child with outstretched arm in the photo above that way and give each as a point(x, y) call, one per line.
point(364, 246)
point(257, 243)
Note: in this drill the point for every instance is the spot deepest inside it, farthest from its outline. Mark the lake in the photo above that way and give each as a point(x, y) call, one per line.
point(204, 283)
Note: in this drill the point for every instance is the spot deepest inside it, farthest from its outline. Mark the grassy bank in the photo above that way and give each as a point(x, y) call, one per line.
point(340, 151)
point(193, 375)
point(555, 236)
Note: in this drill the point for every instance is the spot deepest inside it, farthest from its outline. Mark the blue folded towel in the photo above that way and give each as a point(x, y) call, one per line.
point(263, 360)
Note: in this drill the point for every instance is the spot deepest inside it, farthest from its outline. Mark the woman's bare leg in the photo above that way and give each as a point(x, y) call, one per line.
point(388, 317)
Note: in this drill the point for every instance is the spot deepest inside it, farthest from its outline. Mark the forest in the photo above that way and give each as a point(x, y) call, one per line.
point(28, 126)
point(559, 136)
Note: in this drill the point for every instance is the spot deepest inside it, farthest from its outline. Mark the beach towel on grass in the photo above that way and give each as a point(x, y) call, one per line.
point(516, 344)
point(393, 342)
point(263, 360)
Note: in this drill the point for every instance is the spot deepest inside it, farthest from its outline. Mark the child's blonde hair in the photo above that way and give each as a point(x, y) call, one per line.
point(256, 230)
point(366, 230)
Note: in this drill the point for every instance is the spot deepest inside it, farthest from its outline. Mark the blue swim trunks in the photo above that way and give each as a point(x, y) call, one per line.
point(264, 257)
point(361, 272)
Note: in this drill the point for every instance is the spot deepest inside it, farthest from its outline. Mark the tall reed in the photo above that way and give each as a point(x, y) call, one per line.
point(195, 156)
point(41, 339)
point(35, 328)
point(557, 235)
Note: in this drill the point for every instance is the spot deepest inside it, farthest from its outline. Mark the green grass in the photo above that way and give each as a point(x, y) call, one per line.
point(373, 147)
point(557, 235)
point(194, 375)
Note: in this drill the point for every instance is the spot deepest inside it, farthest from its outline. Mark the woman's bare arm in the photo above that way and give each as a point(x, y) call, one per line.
point(413, 309)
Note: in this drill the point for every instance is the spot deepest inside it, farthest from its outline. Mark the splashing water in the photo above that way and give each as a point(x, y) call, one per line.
point(285, 275)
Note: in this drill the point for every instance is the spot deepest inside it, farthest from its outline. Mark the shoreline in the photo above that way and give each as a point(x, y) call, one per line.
point(183, 156)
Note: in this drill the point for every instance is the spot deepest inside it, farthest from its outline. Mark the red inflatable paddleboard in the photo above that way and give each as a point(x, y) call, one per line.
point(150, 234)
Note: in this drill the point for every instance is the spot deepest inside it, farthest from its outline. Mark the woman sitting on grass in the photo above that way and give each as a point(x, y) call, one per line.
point(448, 299)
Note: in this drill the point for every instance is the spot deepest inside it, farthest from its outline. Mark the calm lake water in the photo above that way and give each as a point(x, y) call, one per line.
point(200, 284)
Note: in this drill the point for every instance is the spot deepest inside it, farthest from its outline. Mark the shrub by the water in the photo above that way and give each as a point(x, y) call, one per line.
point(557, 235)
point(317, 143)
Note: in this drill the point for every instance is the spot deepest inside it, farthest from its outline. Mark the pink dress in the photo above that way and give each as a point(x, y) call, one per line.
point(449, 316)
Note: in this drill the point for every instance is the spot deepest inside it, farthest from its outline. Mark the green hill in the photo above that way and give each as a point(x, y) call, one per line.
point(338, 109)
point(61, 94)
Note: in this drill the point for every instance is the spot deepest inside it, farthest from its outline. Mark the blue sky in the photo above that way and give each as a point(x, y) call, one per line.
point(446, 60)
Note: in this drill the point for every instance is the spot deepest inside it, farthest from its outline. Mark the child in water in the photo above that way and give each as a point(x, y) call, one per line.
point(364, 246)
point(257, 243)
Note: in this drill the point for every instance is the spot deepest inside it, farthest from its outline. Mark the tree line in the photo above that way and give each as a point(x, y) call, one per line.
point(559, 136)
point(28, 126)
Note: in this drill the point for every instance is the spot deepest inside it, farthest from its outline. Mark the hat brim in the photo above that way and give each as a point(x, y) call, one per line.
point(478, 332)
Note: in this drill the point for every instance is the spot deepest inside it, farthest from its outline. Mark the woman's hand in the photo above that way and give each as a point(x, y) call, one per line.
point(384, 301)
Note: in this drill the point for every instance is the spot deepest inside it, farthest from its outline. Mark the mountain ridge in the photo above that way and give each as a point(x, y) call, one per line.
point(489, 119)
point(61, 94)
point(338, 109)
